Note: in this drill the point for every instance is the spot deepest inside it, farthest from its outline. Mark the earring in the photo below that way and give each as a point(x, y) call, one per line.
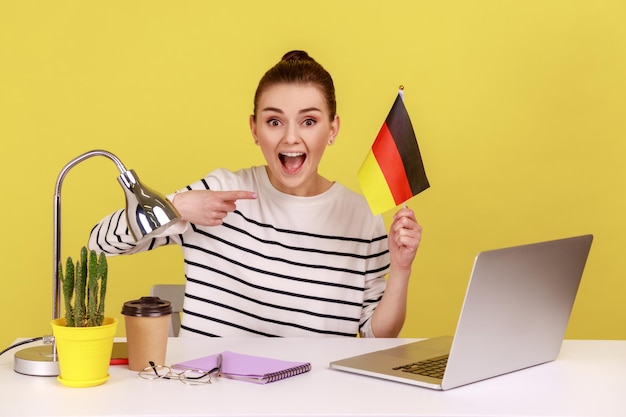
point(330, 142)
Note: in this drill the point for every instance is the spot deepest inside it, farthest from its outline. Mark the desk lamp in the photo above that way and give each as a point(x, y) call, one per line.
point(147, 213)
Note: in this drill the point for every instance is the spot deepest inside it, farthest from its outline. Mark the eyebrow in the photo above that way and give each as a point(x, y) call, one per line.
point(277, 110)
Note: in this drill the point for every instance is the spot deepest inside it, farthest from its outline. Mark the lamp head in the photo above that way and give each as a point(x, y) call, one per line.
point(148, 212)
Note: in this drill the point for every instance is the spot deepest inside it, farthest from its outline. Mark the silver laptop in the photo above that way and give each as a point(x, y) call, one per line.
point(516, 309)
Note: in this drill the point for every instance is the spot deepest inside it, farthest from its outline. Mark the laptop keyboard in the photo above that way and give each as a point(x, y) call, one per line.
point(433, 368)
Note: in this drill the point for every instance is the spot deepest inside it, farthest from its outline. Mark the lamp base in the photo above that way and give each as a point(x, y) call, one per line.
point(36, 361)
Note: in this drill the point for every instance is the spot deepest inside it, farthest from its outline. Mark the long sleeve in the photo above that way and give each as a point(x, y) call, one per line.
point(112, 236)
point(375, 279)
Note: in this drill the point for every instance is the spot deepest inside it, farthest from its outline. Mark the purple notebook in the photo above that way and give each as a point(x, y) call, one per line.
point(257, 369)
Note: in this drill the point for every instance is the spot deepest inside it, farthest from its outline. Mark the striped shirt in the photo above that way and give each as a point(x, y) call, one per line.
point(279, 265)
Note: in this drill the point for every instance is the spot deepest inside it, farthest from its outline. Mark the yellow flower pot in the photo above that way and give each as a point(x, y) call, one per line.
point(84, 352)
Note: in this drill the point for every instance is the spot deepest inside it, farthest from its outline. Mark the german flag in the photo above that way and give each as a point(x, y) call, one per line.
point(393, 170)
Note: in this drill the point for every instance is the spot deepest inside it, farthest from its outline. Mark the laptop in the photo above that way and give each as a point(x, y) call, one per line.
point(516, 309)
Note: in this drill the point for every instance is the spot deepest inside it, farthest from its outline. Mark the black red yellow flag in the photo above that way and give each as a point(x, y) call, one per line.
point(393, 170)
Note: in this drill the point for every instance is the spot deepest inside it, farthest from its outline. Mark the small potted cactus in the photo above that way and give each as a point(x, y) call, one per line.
point(85, 284)
point(84, 337)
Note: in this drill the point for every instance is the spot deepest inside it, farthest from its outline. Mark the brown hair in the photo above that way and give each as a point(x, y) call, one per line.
point(297, 67)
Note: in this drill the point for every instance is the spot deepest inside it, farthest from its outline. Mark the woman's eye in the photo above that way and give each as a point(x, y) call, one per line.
point(309, 122)
point(273, 122)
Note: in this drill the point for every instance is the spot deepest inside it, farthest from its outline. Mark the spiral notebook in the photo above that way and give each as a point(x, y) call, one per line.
point(257, 369)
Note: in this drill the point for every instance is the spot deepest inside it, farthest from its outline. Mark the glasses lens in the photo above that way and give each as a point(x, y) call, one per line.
point(155, 372)
point(192, 377)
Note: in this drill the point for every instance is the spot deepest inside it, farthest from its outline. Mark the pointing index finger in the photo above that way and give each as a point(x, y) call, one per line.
point(238, 195)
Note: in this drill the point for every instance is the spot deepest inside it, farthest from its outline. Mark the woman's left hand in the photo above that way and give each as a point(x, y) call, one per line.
point(405, 235)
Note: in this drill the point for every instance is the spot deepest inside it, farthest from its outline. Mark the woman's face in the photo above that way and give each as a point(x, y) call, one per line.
point(293, 127)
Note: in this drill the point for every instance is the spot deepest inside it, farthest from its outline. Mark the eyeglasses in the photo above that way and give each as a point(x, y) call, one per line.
point(188, 376)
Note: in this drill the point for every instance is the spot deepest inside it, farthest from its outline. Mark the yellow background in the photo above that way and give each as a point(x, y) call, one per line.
point(518, 108)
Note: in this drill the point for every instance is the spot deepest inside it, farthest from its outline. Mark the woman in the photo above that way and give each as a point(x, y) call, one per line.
point(279, 250)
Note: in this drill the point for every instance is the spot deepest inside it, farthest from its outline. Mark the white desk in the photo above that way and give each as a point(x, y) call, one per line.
point(588, 379)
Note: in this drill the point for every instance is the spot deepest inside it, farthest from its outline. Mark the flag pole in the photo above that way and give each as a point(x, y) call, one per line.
point(401, 94)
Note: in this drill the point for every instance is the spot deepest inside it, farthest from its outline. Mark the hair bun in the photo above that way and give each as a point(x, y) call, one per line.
point(296, 55)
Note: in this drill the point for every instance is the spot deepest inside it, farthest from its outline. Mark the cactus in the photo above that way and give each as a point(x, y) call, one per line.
point(81, 300)
point(85, 285)
point(92, 290)
point(102, 274)
point(68, 290)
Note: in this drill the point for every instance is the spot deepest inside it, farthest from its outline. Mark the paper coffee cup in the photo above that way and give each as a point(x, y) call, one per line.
point(147, 322)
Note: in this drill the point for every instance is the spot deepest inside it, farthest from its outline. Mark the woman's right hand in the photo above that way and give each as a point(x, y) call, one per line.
point(208, 208)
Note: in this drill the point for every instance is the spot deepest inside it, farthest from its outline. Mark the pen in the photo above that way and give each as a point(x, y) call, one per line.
point(219, 365)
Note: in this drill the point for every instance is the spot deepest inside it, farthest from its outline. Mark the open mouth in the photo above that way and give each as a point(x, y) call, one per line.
point(292, 161)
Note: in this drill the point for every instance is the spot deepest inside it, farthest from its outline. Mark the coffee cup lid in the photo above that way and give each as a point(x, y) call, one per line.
point(147, 307)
